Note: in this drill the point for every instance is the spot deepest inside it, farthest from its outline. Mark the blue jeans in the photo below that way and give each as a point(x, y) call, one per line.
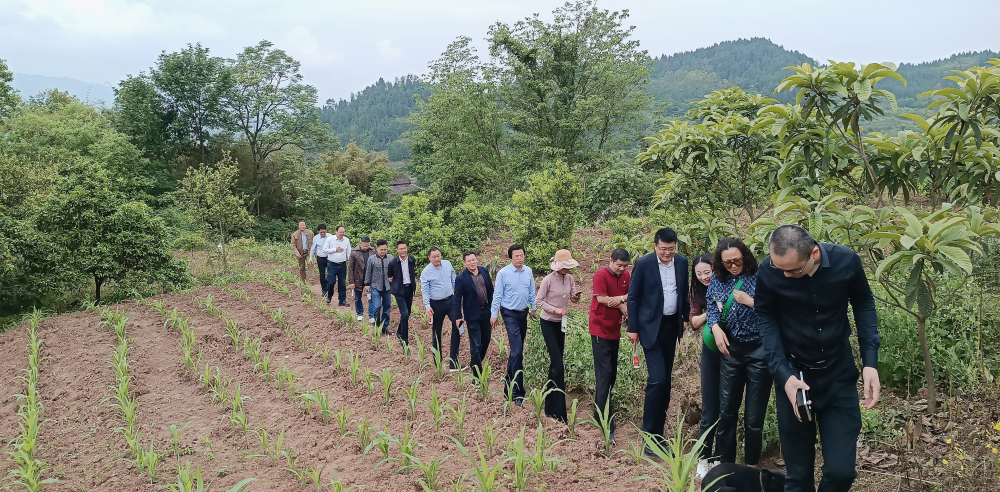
point(379, 306)
point(337, 274)
point(516, 324)
point(359, 306)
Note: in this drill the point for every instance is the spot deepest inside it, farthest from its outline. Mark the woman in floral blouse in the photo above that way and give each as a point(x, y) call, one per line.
point(743, 362)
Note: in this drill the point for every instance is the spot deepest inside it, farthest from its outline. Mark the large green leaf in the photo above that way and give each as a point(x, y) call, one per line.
point(957, 255)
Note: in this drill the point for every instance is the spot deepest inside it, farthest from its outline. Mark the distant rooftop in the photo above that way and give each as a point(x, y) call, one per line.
point(402, 185)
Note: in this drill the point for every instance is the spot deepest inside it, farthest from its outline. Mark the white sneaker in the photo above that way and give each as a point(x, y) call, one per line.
point(359, 317)
point(371, 321)
point(703, 467)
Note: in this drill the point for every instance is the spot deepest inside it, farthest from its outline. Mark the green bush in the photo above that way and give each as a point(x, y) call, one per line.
point(619, 189)
point(543, 217)
point(363, 217)
point(420, 228)
point(471, 222)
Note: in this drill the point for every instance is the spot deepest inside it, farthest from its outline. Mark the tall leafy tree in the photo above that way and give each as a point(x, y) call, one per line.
point(271, 110)
point(208, 195)
point(574, 86)
point(367, 172)
point(104, 235)
point(9, 99)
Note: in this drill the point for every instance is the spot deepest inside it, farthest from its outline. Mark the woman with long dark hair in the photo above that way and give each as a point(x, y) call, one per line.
point(744, 366)
point(701, 275)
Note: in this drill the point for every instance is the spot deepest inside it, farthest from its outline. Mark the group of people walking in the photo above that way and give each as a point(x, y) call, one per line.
point(782, 322)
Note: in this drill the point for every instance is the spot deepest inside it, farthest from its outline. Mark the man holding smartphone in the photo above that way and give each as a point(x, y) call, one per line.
point(803, 288)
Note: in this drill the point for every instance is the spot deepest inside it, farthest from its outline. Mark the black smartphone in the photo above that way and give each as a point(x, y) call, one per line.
point(802, 401)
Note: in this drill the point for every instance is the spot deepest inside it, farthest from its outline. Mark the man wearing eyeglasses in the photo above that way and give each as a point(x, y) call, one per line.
point(803, 288)
point(658, 306)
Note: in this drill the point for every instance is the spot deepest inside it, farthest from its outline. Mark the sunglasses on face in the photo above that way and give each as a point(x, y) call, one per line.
point(733, 262)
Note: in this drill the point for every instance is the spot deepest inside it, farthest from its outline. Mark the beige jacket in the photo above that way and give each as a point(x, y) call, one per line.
point(297, 242)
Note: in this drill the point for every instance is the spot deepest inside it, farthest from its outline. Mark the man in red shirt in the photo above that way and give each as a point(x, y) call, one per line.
point(606, 310)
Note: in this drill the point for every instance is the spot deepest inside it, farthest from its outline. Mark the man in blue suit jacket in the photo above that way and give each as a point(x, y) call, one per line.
point(473, 296)
point(658, 306)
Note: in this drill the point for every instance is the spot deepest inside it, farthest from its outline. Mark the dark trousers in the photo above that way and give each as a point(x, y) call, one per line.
point(744, 367)
point(479, 331)
point(710, 370)
point(405, 305)
point(337, 274)
point(516, 324)
point(555, 343)
point(660, 363)
point(606, 372)
point(837, 415)
point(442, 309)
point(321, 264)
point(380, 305)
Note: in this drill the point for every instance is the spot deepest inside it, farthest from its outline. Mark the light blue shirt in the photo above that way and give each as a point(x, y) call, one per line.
point(668, 279)
point(305, 242)
point(317, 249)
point(513, 289)
point(437, 283)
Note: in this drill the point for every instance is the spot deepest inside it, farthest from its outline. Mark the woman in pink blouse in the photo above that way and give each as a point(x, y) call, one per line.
point(554, 294)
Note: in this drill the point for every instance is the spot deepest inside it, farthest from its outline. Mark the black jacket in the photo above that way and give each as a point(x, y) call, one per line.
point(645, 298)
point(396, 275)
point(466, 299)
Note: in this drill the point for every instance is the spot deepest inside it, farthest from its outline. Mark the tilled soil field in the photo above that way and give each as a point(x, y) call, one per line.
point(78, 437)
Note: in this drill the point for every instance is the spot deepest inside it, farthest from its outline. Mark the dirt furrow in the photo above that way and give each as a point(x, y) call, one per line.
point(13, 362)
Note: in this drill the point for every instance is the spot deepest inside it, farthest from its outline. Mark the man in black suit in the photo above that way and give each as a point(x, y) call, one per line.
point(402, 281)
point(658, 306)
point(473, 296)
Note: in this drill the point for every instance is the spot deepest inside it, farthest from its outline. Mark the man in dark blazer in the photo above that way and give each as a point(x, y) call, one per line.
point(473, 296)
point(402, 281)
point(658, 307)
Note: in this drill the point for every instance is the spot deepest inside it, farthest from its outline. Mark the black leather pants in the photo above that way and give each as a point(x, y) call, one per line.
point(744, 367)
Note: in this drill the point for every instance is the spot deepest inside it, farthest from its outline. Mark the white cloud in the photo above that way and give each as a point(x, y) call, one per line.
point(304, 46)
point(387, 50)
point(114, 18)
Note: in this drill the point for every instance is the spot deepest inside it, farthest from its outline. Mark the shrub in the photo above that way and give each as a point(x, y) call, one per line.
point(472, 221)
point(543, 216)
point(619, 189)
point(363, 217)
point(421, 228)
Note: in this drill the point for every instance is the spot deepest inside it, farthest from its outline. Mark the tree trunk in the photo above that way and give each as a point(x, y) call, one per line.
point(928, 366)
point(97, 284)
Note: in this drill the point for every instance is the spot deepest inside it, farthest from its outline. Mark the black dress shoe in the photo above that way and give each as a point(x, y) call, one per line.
point(343, 304)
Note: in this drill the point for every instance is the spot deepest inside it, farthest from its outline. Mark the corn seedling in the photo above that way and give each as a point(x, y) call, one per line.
point(537, 398)
point(315, 476)
point(438, 363)
point(518, 474)
point(436, 408)
point(421, 350)
point(364, 435)
point(407, 444)
point(369, 382)
point(635, 450)
point(572, 416)
point(355, 366)
point(383, 442)
point(325, 353)
point(321, 401)
point(490, 436)
point(675, 467)
point(175, 433)
point(188, 482)
point(147, 461)
point(234, 334)
point(486, 476)
point(458, 412)
point(539, 459)
point(411, 398)
point(431, 470)
point(602, 420)
point(342, 418)
point(508, 404)
point(263, 366)
point(337, 355)
point(460, 379)
point(387, 377)
point(482, 380)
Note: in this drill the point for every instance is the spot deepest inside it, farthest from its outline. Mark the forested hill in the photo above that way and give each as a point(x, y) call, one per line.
point(377, 116)
point(754, 64)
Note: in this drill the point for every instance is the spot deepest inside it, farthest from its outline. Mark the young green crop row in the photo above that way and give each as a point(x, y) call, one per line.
point(28, 468)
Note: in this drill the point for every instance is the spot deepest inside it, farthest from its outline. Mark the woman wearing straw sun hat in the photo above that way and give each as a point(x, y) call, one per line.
point(554, 294)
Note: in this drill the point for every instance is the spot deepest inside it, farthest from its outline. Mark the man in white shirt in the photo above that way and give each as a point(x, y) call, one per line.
point(337, 248)
point(320, 255)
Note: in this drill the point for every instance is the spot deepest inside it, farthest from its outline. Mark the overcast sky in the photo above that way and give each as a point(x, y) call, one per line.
point(347, 45)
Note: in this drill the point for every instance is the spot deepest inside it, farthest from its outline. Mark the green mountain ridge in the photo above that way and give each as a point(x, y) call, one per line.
point(377, 116)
